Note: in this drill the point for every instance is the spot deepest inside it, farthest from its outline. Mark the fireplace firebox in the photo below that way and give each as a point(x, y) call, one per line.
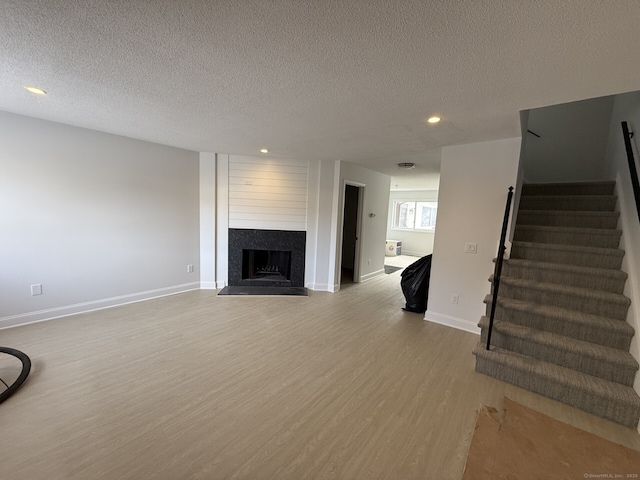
point(267, 266)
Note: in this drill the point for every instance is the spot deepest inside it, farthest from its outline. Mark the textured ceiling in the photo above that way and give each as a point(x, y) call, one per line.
point(349, 80)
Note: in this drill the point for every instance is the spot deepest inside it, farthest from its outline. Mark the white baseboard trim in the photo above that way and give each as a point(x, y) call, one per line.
point(65, 311)
point(318, 287)
point(369, 276)
point(453, 322)
point(208, 286)
point(221, 284)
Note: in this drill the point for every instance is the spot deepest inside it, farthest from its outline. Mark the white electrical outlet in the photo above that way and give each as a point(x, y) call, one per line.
point(36, 289)
point(455, 298)
point(369, 261)
point(470, 248)
point(189, 268)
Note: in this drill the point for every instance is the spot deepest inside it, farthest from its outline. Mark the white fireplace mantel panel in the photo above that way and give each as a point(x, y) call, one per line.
point(267, 193)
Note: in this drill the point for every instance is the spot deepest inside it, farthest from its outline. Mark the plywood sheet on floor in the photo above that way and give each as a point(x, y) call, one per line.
point(521, 443)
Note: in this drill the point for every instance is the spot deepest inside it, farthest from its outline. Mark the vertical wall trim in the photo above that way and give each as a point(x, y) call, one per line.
point(222, 219)
point(207, 220)
point(313, 213)
point(334, 250)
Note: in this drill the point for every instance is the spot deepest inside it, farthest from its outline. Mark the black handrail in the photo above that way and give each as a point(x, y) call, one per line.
point(498, 268)
point(632, 165)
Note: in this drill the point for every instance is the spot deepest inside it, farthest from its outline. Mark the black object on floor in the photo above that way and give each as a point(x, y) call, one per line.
point(291, 291)
point(24, 372)
point(390, 269)
point(415, 284)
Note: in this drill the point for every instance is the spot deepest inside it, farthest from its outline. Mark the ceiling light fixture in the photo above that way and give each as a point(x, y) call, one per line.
point(434, 119)
point(36, 90)
point(406, 165)
point(264, 150)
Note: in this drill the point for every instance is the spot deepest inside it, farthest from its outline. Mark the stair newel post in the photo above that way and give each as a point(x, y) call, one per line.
point(498, 268)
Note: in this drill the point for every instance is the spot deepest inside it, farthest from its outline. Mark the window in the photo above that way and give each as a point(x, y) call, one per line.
point(414, 215)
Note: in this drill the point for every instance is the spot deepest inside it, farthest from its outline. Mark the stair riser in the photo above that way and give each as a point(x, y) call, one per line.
point(564, 189)
point(603, 240)
point(585, 204)
point(606, 284)
point(562, 300)
point(567, 257)
point(602, 407)
point(567, 219)
point(588, 333)
point(579, 362)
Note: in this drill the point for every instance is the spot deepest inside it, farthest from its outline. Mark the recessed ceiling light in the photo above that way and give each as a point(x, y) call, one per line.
point(406, 165)
point(434, 119)
point(264, 150)
point(36, 90)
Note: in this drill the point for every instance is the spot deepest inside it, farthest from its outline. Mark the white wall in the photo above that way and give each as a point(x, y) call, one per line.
point(572, 143)
point(627, 108)
point(474, 179)
point(416, 243)
point(313, 212)
point(97, 219)
point(326, 226)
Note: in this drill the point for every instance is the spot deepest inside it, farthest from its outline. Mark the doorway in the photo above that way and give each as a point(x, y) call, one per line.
point(351, 225)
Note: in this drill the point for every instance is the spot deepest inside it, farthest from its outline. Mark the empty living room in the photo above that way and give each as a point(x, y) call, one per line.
point(173, 193)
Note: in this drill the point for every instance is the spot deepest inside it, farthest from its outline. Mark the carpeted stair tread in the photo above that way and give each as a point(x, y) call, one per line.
point(582, 326)
point(567, 274)
point(614, 252)
point(601, 397)
point(568, 202)
point(594, 257)
point(596, 302)
point(589, 237)
point(585, 219)
point(597, 360)
point(566, 290)
point(571, 188)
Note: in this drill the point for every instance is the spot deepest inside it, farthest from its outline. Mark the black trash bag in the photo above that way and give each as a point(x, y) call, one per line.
point(415, 284)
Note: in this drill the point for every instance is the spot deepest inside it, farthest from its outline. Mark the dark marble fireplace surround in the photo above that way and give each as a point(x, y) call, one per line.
point(241, 239)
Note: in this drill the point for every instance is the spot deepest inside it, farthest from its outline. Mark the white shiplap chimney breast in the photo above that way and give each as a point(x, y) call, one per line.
point(267, 193)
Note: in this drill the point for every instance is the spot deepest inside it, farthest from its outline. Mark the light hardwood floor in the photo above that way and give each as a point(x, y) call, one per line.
point(195, 386)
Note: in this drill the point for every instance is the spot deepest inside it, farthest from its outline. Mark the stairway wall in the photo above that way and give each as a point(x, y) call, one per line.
point(572, 143)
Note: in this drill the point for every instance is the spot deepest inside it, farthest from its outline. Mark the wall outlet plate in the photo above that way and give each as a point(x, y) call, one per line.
point(470, 248)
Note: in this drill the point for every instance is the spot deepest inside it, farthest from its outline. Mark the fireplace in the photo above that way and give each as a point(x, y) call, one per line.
point(266, 258)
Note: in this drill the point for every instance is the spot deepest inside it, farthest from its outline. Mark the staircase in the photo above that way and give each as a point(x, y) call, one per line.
point(560, 324)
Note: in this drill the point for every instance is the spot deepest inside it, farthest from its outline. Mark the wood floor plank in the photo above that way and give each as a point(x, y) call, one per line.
point(196, 386)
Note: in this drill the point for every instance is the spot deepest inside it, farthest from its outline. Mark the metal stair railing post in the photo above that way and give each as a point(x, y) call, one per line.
point(632, 165)
point(498, 268)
